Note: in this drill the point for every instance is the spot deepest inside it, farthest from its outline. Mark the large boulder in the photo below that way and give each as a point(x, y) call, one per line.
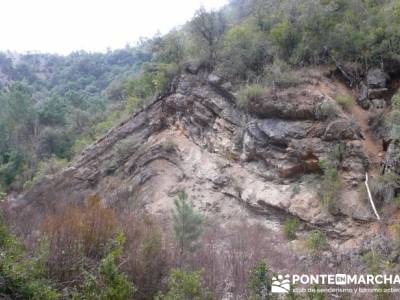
point(281, 132)
point(376, 78)
point(295, 104)
point(362, 213)
point(362, 98)
point(214, 79)
point(341, 129)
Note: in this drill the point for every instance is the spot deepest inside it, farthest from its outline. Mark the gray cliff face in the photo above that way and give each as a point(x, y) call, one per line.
point(257, 164)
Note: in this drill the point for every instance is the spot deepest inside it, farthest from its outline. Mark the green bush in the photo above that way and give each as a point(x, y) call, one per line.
point(52, 111)
point(345, 101)
point(121, 152)
point(259, 282)
point(3, 194)
point(373, 262)
point(383, 187)
point(330, 185)
point(109, 283)
point(396, 200)
point(206, 33)
point(106, 124)
point(280, 74)
point(396, 101)
point(381, 292)
point(21, 277)
point(338, 152)
point(55, 141)
point(50, 166)
point(183, 285)
point(187, 224)
point(290, 227)
point(393, 120)
point(285, 36)
point(396, 228)
point(169, 146)
point(316, 241)
point(125, 147)
point(243, 53)
point(11, 165)
point(249, 93)
point(81, 143)
point(171, 48)
point(154, 79)
point(326, 110)
point(46, 168)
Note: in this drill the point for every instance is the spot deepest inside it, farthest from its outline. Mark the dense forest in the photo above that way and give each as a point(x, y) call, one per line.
point(52, 107)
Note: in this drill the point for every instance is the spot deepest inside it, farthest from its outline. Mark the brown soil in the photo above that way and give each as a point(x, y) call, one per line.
point(371, 145)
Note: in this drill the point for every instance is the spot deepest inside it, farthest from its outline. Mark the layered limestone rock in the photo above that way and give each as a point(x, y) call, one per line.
point(233, 163)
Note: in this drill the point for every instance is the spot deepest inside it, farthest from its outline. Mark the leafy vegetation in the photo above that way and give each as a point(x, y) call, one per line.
point(51, 106)
point(184, 285)
point(373, 262)
point(187, 224)
point(393, 119)
point(330, 184)
point(396, 228)
point(21, 276)
point(245, 37)
point(383, 187)
point(316, 241)
point(345, 101)
point(250, 93)
point(290, 227)
point(244, 52)
point(326, 110)
point(259, 282)
point(207, 29)
point(109, 283)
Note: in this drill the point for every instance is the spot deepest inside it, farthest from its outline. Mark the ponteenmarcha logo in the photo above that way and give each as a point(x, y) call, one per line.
point(280, 284)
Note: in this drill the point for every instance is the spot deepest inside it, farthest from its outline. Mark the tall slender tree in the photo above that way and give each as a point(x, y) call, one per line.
point(187, 225)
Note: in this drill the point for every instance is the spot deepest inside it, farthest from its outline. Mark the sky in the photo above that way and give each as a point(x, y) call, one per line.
point(63, 26)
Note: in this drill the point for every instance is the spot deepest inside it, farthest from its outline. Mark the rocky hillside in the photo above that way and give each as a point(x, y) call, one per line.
point(263, 163)
point(257, 140)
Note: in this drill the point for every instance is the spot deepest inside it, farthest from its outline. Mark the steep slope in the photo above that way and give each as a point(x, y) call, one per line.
point(256, 165)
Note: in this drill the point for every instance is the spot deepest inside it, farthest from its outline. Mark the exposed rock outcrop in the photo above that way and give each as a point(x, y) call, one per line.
point(232, 163)
point(376, 79)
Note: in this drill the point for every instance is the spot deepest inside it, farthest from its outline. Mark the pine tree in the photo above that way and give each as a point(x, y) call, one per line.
point(183, 285)
point(187, 224)
point(259, 282)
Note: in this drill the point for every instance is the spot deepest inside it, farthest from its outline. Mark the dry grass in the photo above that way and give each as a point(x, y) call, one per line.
point(76, 236)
